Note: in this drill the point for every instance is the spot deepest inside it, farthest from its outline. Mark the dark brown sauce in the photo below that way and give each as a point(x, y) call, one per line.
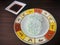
point(15, 7)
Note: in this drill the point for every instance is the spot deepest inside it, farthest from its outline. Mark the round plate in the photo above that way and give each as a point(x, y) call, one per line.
point(35, 26)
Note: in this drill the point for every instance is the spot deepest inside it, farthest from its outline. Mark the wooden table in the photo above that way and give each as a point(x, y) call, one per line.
point(7, 35)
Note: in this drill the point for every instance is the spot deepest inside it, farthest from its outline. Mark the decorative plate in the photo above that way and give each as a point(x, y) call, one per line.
point(35, 26)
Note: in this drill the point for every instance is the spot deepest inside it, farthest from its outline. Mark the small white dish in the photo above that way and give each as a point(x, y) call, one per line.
point(15, 7)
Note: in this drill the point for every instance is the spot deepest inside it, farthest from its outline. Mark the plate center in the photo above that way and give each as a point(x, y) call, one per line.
point(32, 25)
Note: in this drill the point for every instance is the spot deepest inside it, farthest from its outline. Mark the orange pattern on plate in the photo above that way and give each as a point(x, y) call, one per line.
point(17, 27)
point(38, 10)
point(49, 34)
